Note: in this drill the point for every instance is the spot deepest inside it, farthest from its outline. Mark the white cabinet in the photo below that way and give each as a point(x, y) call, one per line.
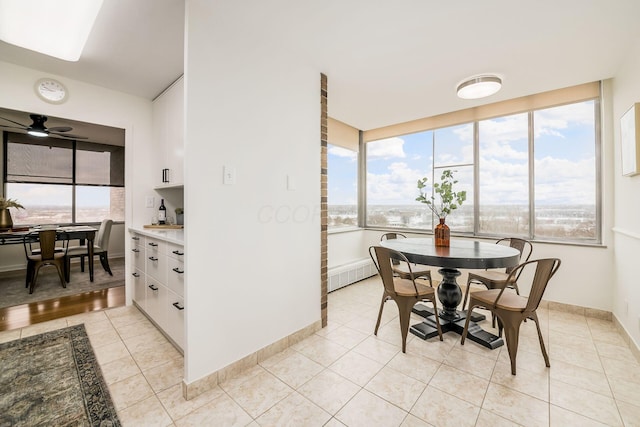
point(168, 135)
point(158, 283)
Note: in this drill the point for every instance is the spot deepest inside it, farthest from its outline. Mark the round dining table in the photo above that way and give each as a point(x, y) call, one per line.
point(461, 253)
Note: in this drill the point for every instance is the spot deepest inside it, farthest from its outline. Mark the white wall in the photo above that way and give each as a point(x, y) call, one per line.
point(626, 289)
point(93, 104)
point(253, 262)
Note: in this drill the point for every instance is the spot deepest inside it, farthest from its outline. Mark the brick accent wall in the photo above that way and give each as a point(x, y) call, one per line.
point(323, 199)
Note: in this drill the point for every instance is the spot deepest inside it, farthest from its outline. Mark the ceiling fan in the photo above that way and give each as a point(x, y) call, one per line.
point(37, 128)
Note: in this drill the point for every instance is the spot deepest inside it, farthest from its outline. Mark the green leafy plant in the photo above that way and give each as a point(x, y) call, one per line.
point(179, 211)
point(9, 203)
point(449, 200)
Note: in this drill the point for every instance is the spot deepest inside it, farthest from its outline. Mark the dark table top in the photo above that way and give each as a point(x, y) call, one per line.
point(461, 254)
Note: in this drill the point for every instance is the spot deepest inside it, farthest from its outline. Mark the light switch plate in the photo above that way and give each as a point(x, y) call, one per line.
point(150, 201)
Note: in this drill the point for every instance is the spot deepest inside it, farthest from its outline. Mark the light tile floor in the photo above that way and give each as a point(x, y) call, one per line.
point(344, 375)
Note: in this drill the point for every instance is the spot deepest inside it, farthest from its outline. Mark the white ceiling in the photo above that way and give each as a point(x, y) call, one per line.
point(386, 62)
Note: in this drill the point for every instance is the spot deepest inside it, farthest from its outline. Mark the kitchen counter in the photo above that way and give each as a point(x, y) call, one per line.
point(171, 236)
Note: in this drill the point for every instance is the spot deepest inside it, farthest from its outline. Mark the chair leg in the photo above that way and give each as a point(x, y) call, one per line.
point(29, 277)
point(511, 323)
point(466, 295)
point(34, 279)
point(82, 263)
point(405, 305)
point(435, 316)
point(105, 263)
point(466, 323)
point(63, 282)
point(384, 299)
point(534, 317)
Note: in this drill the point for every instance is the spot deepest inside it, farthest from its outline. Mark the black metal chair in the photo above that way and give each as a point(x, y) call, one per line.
point(44, 256)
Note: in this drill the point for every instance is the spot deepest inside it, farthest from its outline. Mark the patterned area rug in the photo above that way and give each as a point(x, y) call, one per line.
point(13, 292)
point(53, 379)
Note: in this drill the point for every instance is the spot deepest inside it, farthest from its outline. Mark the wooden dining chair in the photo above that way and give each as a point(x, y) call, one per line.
point(406, 292)
point(511, 309)
point(495, 279)
point(46, 255)
point(400, 269)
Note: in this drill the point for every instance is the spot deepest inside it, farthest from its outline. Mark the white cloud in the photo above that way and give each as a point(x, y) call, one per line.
point(390, 148)
point(399, 185)
point(554, 120)
point(342, 152)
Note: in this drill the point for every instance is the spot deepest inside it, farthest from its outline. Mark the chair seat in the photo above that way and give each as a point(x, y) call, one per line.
point(38, 257)
point(508, 301)
point(417, 270)
point(404, 288)
point(490, 278)
point(81, 250)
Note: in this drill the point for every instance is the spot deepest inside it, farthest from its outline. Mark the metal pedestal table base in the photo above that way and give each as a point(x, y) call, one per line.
point(427, 329)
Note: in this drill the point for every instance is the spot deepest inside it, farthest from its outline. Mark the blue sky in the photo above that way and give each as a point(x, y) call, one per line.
point(564, 160)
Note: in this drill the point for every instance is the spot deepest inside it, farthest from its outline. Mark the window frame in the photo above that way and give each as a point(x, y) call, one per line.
point(73, 184)
point(596, 241)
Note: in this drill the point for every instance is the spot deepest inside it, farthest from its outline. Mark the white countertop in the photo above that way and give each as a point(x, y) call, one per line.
point(171, 235)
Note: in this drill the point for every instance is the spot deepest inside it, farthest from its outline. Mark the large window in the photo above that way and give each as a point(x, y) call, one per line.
point(532, 174)
point(63, 181)
point(342, 186)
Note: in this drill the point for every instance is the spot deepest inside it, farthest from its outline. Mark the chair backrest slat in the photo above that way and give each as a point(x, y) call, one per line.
point(523, 246)
point(545, 269)
point(47, 244)
point(382, 258)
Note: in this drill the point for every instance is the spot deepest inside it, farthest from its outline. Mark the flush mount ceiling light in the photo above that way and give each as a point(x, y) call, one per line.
point(479, 87)
point(56, 28)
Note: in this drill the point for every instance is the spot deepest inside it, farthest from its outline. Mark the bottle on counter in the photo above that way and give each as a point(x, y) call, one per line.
point(162, 213)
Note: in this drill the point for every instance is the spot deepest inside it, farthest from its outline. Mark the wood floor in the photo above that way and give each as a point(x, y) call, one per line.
point(27, 314)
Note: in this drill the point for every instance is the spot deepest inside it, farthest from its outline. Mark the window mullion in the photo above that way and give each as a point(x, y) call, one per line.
point(476, 178)
point(532, 178)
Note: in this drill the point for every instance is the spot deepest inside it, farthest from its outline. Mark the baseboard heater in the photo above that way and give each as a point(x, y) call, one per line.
point(347, 274)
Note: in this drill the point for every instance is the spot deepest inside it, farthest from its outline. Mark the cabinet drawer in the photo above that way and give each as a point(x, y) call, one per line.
point(137, 257)
point(175, 276)
point(139, 288)
point(156, 266)
point(155, 245)
point(156, 302)
point(175, 318)
point(175, 251)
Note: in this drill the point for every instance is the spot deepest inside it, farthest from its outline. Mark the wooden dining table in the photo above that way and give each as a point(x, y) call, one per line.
point(461, 253)
point(71, 232)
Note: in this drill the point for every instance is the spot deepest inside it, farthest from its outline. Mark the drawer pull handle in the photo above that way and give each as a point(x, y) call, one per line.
point(178, 306)
point(152, 258)
point(135, 250)
point(153, 287)
point(177, 252)
point(135, 238)
point(135, 274)
point(177, 270)
point(153, 244)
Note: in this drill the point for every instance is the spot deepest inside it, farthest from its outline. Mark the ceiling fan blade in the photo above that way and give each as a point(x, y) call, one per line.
point(11, 127)
point(68, 135)
point(15, 123)
point(60, 129)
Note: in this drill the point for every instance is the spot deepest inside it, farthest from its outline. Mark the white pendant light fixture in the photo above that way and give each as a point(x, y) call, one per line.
point(57, 28)
point(479, 87)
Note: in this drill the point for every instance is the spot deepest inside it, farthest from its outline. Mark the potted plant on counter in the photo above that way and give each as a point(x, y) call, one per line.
point(449, 201)
point(5, 215)
point(180, 216)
